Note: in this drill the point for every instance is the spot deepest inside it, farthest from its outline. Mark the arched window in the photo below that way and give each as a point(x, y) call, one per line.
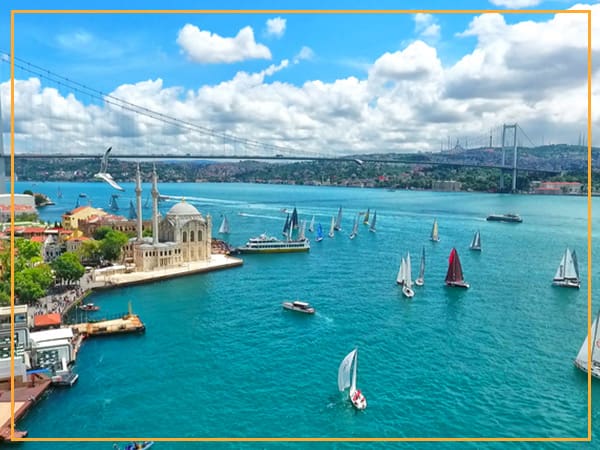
point(192, 236)
point(199, 235)
point(184, 238)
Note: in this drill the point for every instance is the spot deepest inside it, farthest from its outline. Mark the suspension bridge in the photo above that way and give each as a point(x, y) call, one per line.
point(145, 127)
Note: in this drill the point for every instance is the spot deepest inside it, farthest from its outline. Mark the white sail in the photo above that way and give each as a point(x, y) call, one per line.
point(224, 228)
point(353, 382)
point(407, 272)
point(434, 231)
point(311, 227)
point(582, 356)
point(338, 222)
point(401, 272)
point(332, 228)
point(570, 272)
point(301, 235)
point(344, 376)
point(354, 228)
point(575, 263)
point(560, 271)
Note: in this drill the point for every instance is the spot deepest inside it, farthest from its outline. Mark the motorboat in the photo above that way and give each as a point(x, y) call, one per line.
point(299, 306)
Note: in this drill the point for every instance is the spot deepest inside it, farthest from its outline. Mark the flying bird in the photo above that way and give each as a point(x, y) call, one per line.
point(104, 175)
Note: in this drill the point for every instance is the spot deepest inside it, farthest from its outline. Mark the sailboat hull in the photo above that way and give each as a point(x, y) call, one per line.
point(567, 283)
point(583, 367)
point(460, 284)
point(408, 292)
point(358, 399)
point(419, 282)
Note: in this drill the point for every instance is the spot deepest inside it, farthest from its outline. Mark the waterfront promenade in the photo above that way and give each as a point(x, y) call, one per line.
point(217, 262)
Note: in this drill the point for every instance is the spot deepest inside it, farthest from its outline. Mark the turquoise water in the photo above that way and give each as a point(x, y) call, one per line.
point(221, 358)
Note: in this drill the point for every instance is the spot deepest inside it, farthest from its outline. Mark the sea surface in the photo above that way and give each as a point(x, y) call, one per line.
point(221, 358)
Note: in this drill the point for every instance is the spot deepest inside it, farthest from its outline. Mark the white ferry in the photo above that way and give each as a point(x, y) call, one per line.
point(269, 244)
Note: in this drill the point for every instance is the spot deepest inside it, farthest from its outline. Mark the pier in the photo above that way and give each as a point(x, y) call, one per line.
point(127, 323)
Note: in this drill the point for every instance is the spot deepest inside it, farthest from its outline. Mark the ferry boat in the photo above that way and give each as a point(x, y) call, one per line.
point(299, 306)
point(269, 244)
point(515, 218)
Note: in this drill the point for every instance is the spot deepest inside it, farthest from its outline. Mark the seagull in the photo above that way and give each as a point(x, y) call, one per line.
point(104, 175)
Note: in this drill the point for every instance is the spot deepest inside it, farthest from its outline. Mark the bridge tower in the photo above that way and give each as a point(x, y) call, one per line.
point(506, 145)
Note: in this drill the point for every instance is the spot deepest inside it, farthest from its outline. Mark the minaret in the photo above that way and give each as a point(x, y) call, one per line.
point(2, 162)
point(138, 202)
point(154, 206)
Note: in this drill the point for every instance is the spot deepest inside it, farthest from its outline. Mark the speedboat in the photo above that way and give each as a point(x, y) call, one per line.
point(515, 218)
point(135, 445)
point(299, 306)
point(89, 307)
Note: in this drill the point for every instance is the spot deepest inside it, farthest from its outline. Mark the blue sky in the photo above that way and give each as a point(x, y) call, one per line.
point(399, 82)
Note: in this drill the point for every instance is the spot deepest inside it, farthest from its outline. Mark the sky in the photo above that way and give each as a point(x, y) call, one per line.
point(295, 84)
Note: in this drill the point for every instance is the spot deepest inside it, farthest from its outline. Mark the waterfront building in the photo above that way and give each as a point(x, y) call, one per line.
point(50, 347)
point(556, 187)
point(119, 223)
point(182, 236)
point(23, 322)
point(70, 220)
point(446, 185)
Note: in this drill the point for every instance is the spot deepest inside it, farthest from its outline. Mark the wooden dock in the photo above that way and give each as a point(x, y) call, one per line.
point(128, 323)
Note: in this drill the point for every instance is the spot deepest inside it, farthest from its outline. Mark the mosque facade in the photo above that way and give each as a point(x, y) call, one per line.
point(183, 235)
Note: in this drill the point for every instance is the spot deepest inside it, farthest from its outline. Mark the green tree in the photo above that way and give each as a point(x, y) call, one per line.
point(112, 244)
point(67, 267)
point(28, 192)
point(27, 288)
point(101, 232)
point(28, 249)
point(90, 251)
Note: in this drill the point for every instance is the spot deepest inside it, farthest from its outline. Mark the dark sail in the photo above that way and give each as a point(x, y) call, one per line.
point(454, 273)
point(294, 222)
point(286, 227)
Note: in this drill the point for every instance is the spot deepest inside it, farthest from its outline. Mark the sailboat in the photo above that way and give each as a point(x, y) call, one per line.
point(311, 227)
point(420, 281)
point(332, 228)
point(581, 361)
point(338, 221)
point(354, 228)
point(294, 220)
point(224, 228)
point(301, 233)
point(434, 231)
point(373, 222)
point(454, 276)
point(366, 219)
point(476, 242)
point(58, 193)
point(132, 211)
point(407, 290)
point(319, 237)
point(401, 273)
point(347, 378)
point(286, 227)
point(113, 205)
point(567, 274)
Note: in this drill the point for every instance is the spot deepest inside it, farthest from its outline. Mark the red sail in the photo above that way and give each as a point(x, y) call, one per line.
point(454, 269)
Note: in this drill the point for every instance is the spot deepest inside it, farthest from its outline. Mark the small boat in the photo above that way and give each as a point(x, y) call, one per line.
point(581, 361)
point(319, 237)
point(454, 276)
point(332, 228)
point(420, 281)
point(407, 290)
point(338, 221)
point(476, 242)
point(401, 272)
point(515, 218)
point(347, 378)
point(434, 232)
point(302, 307)
point(354, 228)
point(89, 307)
point(373, 223)
point(311, 227)
point(567, 274)
point(64, 377)
point(224, 228)
point(82, 195)
point(366, 218)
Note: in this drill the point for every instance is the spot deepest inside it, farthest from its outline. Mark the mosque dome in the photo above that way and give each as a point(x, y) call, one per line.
point(183, 209)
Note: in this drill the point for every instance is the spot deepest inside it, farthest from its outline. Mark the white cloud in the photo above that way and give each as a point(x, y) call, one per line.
point(276, 26)
point(529, 72)
point(426, 26)
point(206, 47)
point(516, 3)
point(305, 53)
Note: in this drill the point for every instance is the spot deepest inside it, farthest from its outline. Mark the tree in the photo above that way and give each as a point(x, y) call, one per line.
point(67, 267)
point(28, 192)
point(28, 249)
point(27, 288)
point(90, 251)
point(112, 244)
point(101, 232)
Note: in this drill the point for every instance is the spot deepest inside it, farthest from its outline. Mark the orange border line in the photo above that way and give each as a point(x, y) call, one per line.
point(311, 11)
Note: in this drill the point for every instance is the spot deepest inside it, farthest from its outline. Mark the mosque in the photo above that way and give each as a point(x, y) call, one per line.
point(182, 236)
